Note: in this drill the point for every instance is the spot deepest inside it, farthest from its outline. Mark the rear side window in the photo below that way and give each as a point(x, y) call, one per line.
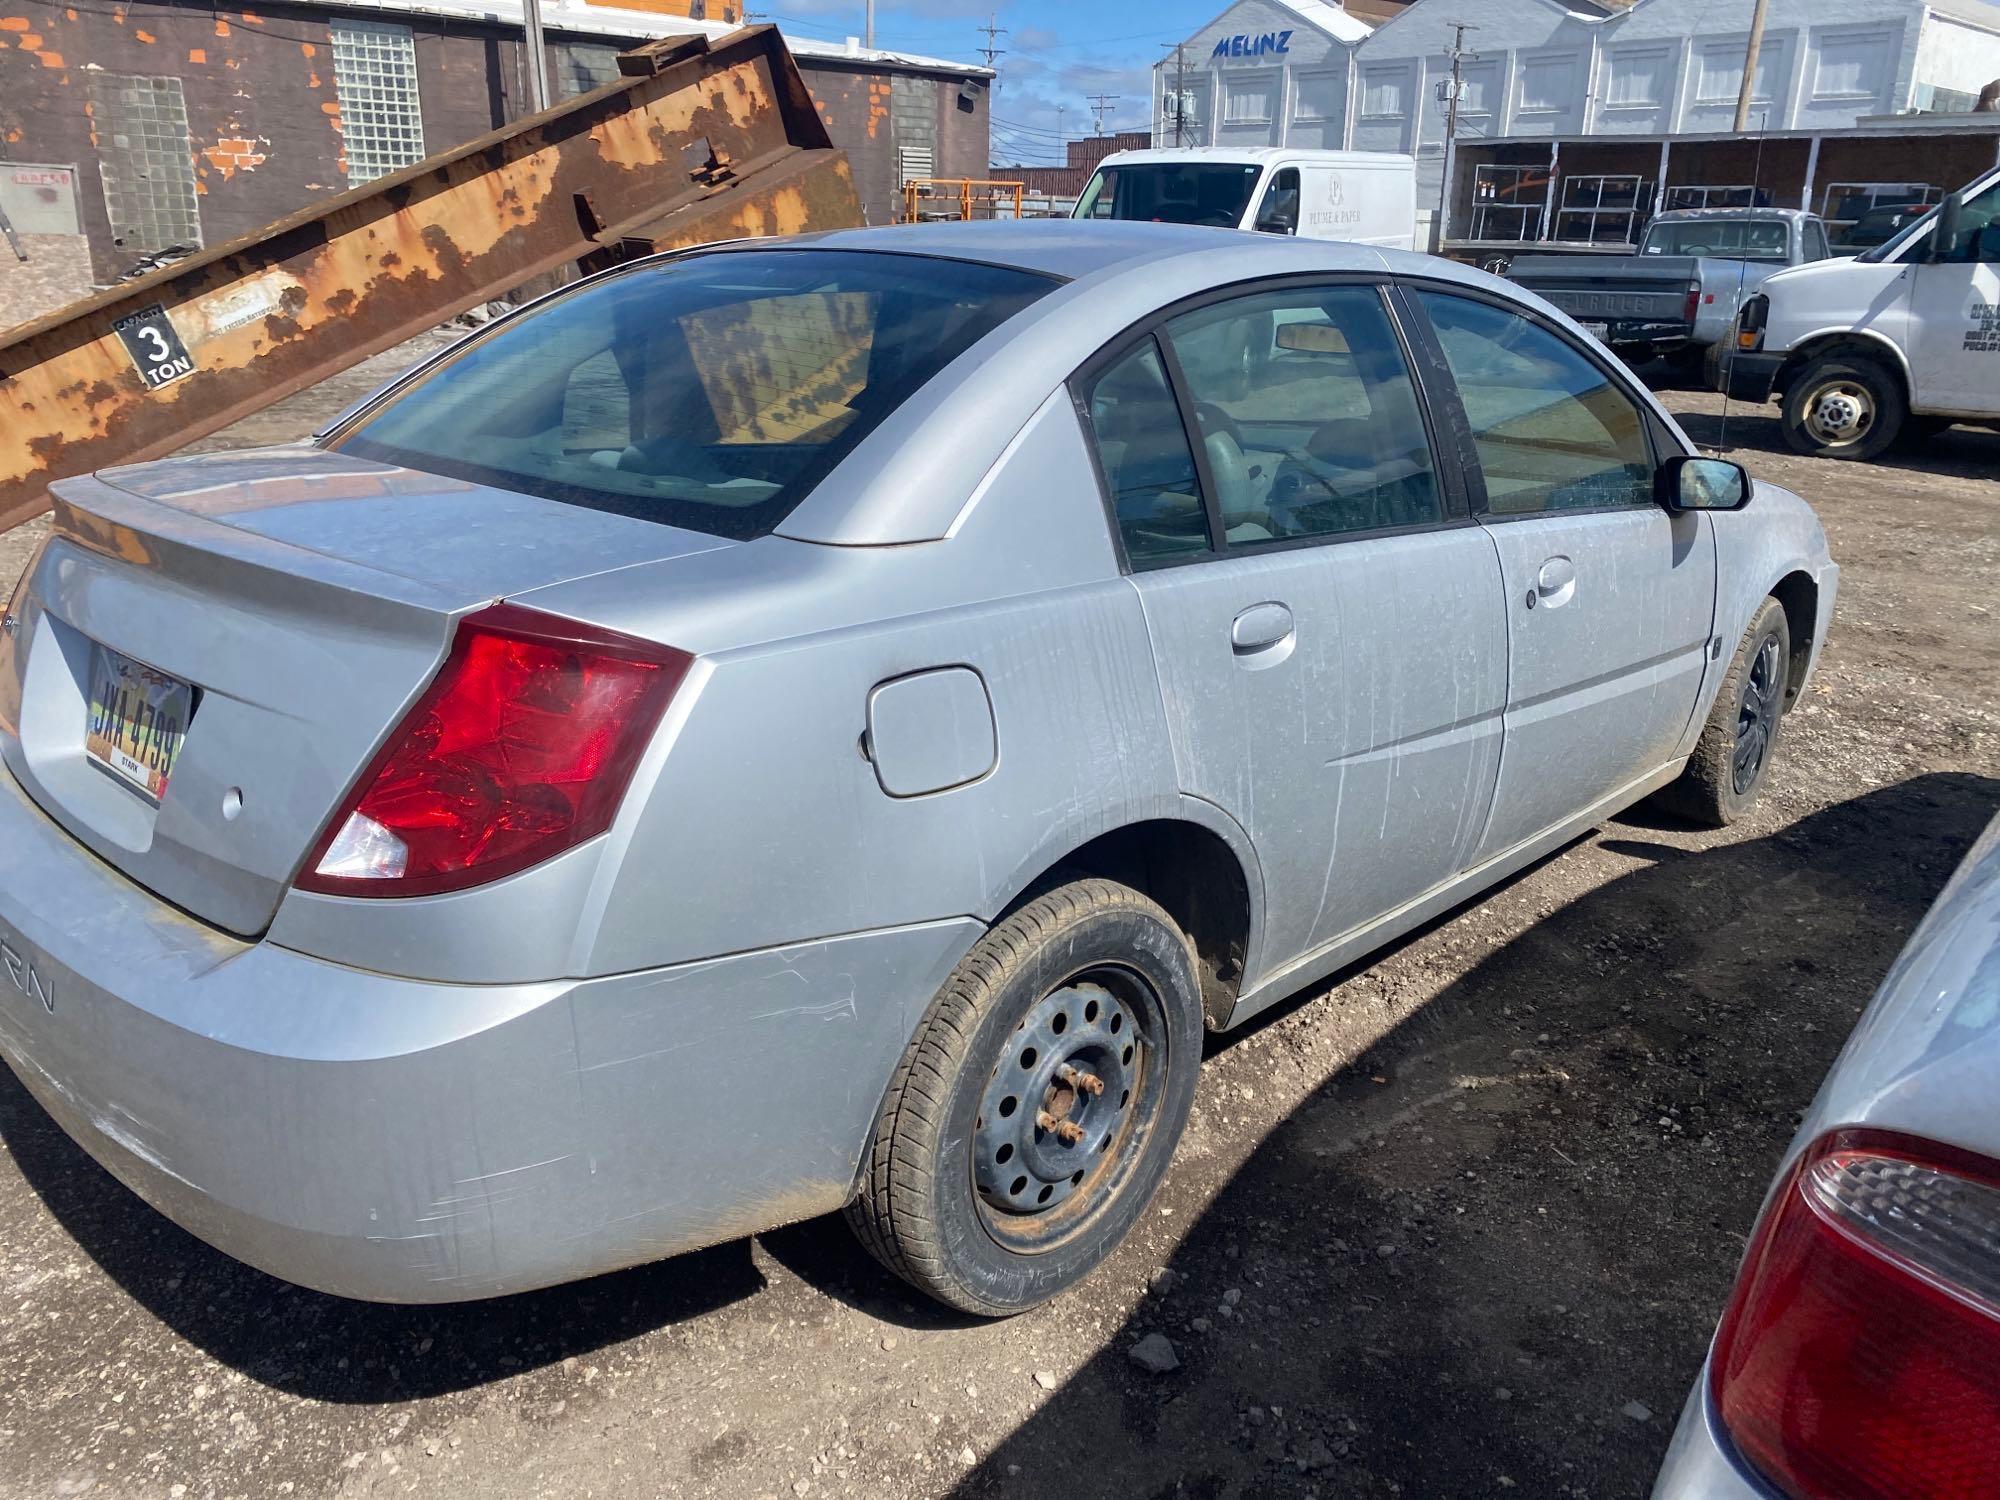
point(1148, 466)
point(710, 393)
point(1552, 431)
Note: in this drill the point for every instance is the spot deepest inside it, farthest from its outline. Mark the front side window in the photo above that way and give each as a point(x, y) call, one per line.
point(1148, 466)
point(1816, 246)
point(710, 393)
point(1278, 213)
point(1551, 429)
point(1308, 418)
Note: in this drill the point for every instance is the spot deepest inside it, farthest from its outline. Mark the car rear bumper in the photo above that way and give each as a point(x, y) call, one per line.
point(1700, 1464)
point(405, 1141)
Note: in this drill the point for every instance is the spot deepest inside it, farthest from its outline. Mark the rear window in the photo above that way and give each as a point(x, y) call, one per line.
point(1730, 239)
point(710, 393)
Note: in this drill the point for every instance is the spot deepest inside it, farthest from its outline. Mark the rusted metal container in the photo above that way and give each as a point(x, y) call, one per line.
point(702, 141)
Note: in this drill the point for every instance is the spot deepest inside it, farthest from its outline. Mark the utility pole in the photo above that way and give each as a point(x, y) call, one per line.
point(1180, 90)
point(1100, 106)
point(868, 27)
point(1749, 85)
point(992, 52)
point(1062, 141)
point(1458, 54)
point(538, 56)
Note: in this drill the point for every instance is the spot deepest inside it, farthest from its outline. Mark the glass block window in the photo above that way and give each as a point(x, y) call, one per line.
point(146, 161)
point(584, 66)
point(375, 79)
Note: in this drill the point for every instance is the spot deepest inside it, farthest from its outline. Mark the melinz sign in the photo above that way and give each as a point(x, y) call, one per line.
point(1268, 44)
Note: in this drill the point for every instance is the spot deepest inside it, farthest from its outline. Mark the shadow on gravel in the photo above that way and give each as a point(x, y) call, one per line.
point(1457, 1265)
point(330, 1348)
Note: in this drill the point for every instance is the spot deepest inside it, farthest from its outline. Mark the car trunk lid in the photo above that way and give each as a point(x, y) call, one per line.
point(306, 598)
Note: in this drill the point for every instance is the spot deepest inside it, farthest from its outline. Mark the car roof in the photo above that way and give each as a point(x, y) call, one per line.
point(1078, 248)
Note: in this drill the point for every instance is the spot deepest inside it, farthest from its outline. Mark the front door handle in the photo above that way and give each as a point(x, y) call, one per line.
point(1555, 583)
point(1258, 633)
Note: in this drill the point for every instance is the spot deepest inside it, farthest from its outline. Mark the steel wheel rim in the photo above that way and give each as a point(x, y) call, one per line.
point(1756, 716)
point(1082, 1109)
point(1840, 414)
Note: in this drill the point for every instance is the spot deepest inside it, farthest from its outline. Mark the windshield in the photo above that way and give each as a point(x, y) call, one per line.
point(1171, 192)
point(1729, 239)
point(710, 393)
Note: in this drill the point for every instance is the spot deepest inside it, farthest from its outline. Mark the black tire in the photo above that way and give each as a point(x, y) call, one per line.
point(986, 1246)
point(1843, 406)
point(1714, 790)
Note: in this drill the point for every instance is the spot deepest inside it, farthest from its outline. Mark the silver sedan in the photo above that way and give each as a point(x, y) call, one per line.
point(1860, 1352)
point(829, 724)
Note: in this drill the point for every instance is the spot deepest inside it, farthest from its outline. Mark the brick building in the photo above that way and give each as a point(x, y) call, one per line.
point(130, 126)
point(1068, 180)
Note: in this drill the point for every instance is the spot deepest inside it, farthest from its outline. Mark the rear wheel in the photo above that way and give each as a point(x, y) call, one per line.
point(1035, 1111)
point(1730, 760)
point(1843, 408)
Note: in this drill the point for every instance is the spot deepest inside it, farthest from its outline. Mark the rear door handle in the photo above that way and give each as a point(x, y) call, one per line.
point(1260, 629)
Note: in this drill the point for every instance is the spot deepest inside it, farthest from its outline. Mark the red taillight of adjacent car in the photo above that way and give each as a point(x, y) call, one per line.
point(1693, 305)
point(1860, 1356)
point(521, 748)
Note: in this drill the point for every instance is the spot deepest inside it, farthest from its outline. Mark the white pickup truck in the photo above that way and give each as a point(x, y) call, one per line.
point(1902, 338)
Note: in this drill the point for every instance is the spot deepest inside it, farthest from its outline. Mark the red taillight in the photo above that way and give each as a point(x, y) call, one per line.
point(1693, 302)
point(1860, 1356)
point(520, 749)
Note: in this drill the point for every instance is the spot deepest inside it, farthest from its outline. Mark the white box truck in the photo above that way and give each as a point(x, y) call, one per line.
point(1369, 197)
point(1901, 338)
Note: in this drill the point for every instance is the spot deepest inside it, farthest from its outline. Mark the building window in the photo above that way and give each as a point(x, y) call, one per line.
point(1246, 99)
point(584, 66)
point(1639, 79)
point(1719, 72)
point(1850, 65)
point(1383, 94)
point(375, 80)
point(1316, 96)
point(146, 160)
point(1548, 84)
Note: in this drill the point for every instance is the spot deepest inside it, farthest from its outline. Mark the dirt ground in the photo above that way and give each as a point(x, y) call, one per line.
point(1457, 1224)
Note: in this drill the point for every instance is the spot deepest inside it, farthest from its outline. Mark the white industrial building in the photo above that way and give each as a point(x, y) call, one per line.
point(1299, 72)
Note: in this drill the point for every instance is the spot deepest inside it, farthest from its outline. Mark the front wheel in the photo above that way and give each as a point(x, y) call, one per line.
point(1035, 1111)
point(1843, 408)
point(1731, 758)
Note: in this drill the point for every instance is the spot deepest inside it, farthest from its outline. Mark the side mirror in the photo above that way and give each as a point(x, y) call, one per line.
point(1944, 233)
point(1691, 483)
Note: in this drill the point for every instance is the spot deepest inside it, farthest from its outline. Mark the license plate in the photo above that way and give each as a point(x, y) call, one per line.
point(138, 719)
point(1599, 331)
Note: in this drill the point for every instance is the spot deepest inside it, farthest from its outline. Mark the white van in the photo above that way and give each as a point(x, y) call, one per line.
point(1903, 338)
point(1369, 197)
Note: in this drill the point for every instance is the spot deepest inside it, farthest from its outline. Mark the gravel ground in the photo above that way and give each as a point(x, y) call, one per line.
point(1458, 1223)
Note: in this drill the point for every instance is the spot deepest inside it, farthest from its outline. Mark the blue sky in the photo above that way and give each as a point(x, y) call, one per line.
point(1054, 56)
